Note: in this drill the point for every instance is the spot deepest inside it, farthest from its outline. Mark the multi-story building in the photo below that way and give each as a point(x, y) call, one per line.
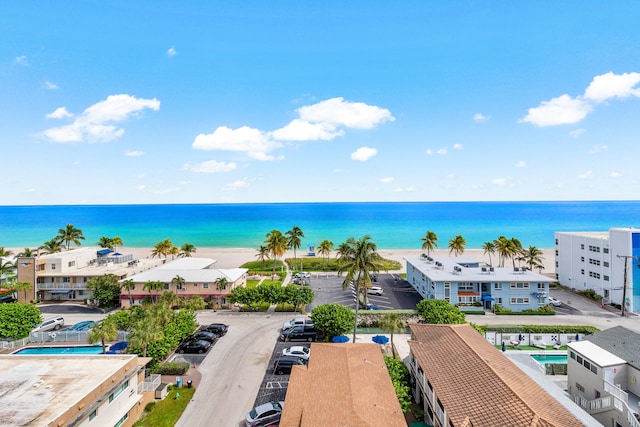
point(605, 262)
point(466, 282)
point(462, 380)
point(198, 277)
point(100, 390)
point(602, 376)
point(63, 276)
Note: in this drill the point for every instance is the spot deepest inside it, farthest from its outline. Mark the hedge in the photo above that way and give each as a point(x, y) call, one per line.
point(173, 368)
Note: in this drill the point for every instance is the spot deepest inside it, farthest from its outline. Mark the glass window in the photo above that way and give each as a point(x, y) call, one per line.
point(93, 414)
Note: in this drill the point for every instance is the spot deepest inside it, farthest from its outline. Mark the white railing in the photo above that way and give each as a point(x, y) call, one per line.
point(596, 405)
point(68, 336)
point(5, 345)
point(616, 391)
point(150, 383)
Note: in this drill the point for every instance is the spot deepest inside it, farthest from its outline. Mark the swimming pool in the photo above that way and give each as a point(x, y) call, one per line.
point(81, 349)
point(549, 358)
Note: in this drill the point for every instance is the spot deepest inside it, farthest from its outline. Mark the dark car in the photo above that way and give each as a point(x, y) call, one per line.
point(7, 298)
point(198, 346)
point(299, 333)
point(219, 329)
point(204, 336)
point(283, 364)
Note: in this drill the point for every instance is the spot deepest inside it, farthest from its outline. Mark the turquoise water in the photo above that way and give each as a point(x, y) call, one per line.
point(391, 225)
point(549, 358)
point(84, 349)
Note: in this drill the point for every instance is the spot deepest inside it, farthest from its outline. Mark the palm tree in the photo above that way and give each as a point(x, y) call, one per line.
point(52, 246)
point(70, 234)
point(293, 241)
point(27, 253)
point(342, 253)
point(515, 248)
point(533, 258)
point(7, 268)
point(178, 282)
point(103, 331)
point(144, 332)
point(457, 244)
point(489, 248)
point(221, 284)
point(277, 246)
point(174, 251)
point(360, 261)
point(4, 253)
point(115, 242)
point(392, 322)
point(430, 241)
point(153, 287)
point(105, 242)
point(263, 254)
point(162, 248)
point(187, 249)
point(129, 285)
point(501, 245)
point(16, 287)
point(324, 248)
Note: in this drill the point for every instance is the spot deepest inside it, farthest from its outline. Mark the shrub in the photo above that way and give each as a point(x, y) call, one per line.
point(149, 407)
point(400, 379)
point(173, 368)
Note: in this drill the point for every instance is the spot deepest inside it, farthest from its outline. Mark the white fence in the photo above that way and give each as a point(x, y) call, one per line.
point(150, 383)
point(68, 336)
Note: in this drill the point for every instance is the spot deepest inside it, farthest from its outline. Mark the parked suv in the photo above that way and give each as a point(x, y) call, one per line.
point(283, 364)
point(219, 329)
point(299, 333)
point(49, 324)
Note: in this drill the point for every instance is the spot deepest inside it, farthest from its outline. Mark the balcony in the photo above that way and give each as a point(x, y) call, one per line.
point(61, 286)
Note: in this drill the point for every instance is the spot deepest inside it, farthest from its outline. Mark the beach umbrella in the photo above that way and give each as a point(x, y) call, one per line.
point(519, 337)
point(577, 337)
point(504, 347)
point(380, 339)
point(340, 339)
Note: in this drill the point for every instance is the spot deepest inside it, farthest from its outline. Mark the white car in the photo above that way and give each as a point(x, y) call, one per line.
point(49, 324)
point(375, 290)
point(298, 350)
point(265, 414)
point(554, 302)
point(302, 275)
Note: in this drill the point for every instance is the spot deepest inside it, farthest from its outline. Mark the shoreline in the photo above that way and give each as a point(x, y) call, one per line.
point(235, 257)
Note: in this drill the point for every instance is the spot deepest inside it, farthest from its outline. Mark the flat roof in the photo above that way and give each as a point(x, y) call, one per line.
point(190, 276)
point(592, 234)
point(188, 263)
point(596, 354)
point(446, 272)
point(35, 390)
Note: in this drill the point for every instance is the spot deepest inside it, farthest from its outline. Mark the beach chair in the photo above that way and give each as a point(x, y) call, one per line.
point(540, 344)
point(514, 344)
point(557, 345)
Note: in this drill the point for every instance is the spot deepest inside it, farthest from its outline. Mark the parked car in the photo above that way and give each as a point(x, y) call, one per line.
point(81, 326)
point(294, 322)
point(265, 414)
point(554, 302)
point(297, 350)
point(283, 364)
point(375, 290)
point(302, 275)
point(299, 333)
point(198, 346)
point(7, 298)
point(53, 323)
point(219, 329)
point(204, 336)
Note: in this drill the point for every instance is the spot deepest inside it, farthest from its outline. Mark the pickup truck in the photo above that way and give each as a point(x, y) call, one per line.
point(299, 333)
point(294, 322)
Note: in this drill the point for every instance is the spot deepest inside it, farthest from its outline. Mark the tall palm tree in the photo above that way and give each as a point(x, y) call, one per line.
point(70, 234)
point(502, 248)
point(489, 248)
point(533, 257)
point(52, 246)
point(103, 331)
point(187, 250)
point(392, 322)
point(27, 253)
point(342, 253)
point(361, 260)
point(129, 285)
point(430, 241)
point(324, 249)
point(105, 242)
point(277, 246)
point(162, 249)
point(153, 288)
point(457, 244)
point(7, 269)
point(115, 242)
point(515, 249)
point(293, 241)
point(221, 284)
point(263, 254)
point(145, 331)
point(5, 253)
point(178, 282)
point(16, 287)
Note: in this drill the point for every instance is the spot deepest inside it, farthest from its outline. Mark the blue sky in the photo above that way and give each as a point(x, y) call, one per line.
point(283, 101)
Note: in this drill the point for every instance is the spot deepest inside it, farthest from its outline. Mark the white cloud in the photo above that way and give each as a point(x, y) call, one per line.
point(302, 130)
point(429, 152)
point(457, 146)
point(586, 175)
point(140, 176)
point(91, 124)
point(480, 118)
point(442, 151)
point(615, 175)
point(521, 164)
point(364, 153)
point(577, 133)
point(211, 166)
point(345, 113)
point(598, 149)
point(387, 180)
point(131, 153)
point(252, 141)
point(611, 85)
point(499, 181)
point(452, 175)
point(558, 111)
point(172, 51)
point(404, 189)
point(22, 60)
point(59, 113)
point(49, 85)
point(235, 185)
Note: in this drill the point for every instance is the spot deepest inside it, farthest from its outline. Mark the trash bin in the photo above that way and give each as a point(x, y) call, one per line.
point(189, 383)
point(179, 382)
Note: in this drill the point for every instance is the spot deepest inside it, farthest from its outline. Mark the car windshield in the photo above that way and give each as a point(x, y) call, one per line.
point(253, 414)
point(276, 406)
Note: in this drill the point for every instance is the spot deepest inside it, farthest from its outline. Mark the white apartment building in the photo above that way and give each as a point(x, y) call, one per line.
point(606, 262)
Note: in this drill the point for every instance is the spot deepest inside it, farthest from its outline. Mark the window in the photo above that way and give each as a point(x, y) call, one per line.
point(53, 266)
point(556, 252)
point(166, 286)
point(93, 414)
point(605, 263)
point(606, 278)
point(122, 420)
point(519, 285)
point(497, 286)
point(519, 300)
point(572, 355)
point(66, 280)
point(465, 286)
point(582, 258)
point(71, 263)
point(556, 241)
point(605, 250)
point(541, 285)
point(499, 300)
point(447, 291)
point(579, 387)
point(119, 390)
point(594, 369)
point(582, 246)
point(205, 286)
point(597, 394)
point(582, 271)
point(579, 359)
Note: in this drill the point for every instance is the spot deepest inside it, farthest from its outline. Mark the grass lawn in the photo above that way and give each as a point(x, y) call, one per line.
point(167, 412)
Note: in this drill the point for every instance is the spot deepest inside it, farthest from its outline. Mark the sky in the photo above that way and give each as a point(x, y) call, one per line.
point(147, 102)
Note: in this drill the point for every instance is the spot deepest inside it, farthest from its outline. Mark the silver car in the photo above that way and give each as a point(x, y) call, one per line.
point(265, 414)
point(49, 324)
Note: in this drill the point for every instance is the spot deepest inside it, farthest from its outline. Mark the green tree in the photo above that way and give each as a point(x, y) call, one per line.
point(18, 319)
point(361, 260)
point(187, 250)
point(162, 249)
point(245, 296)
point(105, 242)
point(178, 282)
point(129, 285)
point(332, 319)
point(533, 257)
point(277, 246)
point(324, 249)
point(52, 246)
point(489, 248)
point(457, 244)
point(194, 303)
point(27, 253)
point(263, 254)
point(391, 323)
point(168, 299)
point(104, 331)
point(16, 286)
point(116, 241)
point(70, 234)
point(221, 285)
point(5, 253)
point(400, 379)
point(294, 241)
point(7, 270)
point(437, 311)
point(298, 296)
point(106, 289)
point(153, 287)
point(145, 331)
point(429, 241)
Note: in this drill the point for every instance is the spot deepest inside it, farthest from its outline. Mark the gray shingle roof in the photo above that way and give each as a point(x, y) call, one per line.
point(620, 341)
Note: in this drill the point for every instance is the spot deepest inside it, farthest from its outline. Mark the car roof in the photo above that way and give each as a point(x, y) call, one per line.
point(297, 347)
point(268, 406)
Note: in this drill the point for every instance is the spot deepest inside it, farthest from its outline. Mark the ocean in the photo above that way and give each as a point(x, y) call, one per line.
point(392, 225)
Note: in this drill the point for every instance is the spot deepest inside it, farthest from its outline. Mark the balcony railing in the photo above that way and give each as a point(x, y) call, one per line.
point(61, 286)
point(150, 383)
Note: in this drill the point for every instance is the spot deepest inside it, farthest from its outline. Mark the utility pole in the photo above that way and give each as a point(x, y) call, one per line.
point(624, 282)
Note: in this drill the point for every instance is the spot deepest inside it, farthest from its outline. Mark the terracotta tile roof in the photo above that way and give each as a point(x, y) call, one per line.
point(343, 385)
point(477, 385)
